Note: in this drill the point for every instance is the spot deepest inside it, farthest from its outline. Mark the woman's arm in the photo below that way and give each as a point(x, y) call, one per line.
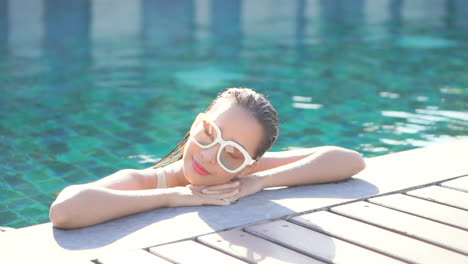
point(123, 193)
point(296, 167)
point(308, 166)
point(85, 205)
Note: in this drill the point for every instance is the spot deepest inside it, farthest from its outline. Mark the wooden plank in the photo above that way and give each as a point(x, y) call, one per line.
point(192, 252)
point(135, 256)
point(434, 211)
point(252, 248)
point(381, 240)
point(424, 229)
point(442, 195)
point(312, 243)
point(460, 184)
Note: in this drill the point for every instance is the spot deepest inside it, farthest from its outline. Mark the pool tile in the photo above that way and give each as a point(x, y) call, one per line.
point(101, 171)
point(21, 222)
point(72, 156)
point(13, 179)
point(43, 198)
point(38, 174)
point(27, 188)
point(6, 194)
point(59, 167)
point(76, 176)
point(87, 130)
point(33, 211)
point(51, 186)
point(8, 216)
point(58, 147)
point(18, 202)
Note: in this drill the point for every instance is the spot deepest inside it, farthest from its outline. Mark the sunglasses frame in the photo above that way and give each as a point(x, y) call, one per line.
point(248, 160)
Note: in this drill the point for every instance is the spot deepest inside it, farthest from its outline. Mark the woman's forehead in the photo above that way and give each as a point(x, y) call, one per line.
point(237, 124)
point(225, 114)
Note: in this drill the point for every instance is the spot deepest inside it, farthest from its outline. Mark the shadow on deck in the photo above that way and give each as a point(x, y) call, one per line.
point(404, 207)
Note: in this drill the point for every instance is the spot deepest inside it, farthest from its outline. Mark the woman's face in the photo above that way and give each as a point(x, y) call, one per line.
point(236, 124)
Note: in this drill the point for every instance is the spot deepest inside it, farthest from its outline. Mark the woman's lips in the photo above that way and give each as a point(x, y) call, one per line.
point(199, 168)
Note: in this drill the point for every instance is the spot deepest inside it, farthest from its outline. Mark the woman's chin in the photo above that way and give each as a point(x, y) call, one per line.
point(198, 180)
point(192, 177)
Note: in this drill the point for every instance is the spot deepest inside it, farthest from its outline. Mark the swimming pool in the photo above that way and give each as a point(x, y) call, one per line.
point(96, 86)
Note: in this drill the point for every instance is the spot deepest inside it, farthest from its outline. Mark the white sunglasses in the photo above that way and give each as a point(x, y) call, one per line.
point(231, 156)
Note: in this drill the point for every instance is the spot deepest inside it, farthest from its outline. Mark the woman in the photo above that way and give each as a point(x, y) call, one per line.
point(223, 158)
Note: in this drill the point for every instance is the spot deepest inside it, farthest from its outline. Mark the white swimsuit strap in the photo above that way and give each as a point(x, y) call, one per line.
point(162, 181)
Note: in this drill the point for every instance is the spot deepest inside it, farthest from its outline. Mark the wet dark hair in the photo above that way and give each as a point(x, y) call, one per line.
point(256, 104)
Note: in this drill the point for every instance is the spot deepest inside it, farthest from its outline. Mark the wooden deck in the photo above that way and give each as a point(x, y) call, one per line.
point(423, 225)
point(407, 207)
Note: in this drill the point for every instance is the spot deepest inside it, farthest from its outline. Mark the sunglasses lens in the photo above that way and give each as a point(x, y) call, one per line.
point(204, 133)
point(231, 157)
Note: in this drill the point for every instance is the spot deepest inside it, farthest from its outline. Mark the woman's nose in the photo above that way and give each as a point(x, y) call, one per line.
point(209, 154)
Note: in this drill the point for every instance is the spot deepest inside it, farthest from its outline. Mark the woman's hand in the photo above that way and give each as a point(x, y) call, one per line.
point(191, 195)
point(245, 186)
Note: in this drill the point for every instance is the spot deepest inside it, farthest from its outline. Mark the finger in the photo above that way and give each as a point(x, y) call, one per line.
point(228, 194)
point(220, 188)
point(195, 187)
point(221, 191)
point(228, 185)
point(222, 195)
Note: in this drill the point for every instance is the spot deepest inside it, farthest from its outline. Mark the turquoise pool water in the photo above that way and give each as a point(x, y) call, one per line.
point(92, 87)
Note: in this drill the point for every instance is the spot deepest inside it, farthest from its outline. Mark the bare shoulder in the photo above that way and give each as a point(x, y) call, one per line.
point(129, 179)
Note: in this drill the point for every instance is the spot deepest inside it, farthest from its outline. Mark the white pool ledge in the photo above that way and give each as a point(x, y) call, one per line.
point(384, 174)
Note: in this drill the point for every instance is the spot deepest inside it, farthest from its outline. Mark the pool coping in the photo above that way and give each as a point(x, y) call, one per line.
point(384, 174)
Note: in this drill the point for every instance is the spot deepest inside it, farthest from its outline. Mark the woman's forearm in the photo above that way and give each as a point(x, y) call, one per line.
point(85, 205)
point(327, 164)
